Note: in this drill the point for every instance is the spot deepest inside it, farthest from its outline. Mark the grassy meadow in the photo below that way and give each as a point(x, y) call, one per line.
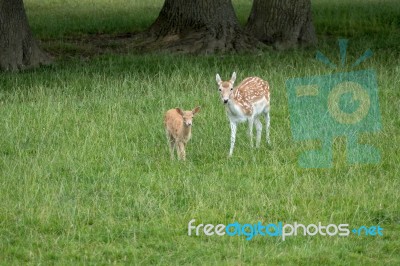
point(85, 173)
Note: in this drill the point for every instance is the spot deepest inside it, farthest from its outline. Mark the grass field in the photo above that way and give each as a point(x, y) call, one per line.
point(85, 174)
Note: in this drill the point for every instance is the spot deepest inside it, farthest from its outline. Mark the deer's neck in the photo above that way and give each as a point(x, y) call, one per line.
point(232, 107)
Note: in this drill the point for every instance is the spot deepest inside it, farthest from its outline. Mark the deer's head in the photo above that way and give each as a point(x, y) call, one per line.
point(225, 88)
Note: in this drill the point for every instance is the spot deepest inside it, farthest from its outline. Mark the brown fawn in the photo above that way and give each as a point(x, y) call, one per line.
point(246, 102)
point(178, 127)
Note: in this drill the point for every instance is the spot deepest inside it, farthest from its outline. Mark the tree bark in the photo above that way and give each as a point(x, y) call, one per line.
point(199, 26)
point(282, 23)
point(18, 48)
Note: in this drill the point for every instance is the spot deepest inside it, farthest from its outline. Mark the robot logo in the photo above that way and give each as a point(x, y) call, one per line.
point(340, 104)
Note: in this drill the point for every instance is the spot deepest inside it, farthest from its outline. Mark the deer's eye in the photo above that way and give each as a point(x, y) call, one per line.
point(219, 89)
point(232, 89)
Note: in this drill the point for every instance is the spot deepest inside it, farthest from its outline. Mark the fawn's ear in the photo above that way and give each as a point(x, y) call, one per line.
point(218, 79)
point(179, 110)
point(233, 78)
point(196, 110)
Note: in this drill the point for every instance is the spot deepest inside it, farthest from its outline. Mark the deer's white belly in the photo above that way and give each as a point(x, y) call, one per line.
point(260, 106)
point(236, 114)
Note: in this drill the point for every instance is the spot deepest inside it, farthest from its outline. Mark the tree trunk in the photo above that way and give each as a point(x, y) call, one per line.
point(282, 23)
point(18, 48)
point(199, 26)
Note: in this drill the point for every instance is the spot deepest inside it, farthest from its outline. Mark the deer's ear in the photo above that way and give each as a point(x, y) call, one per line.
point(218, 79)
point(196, 110)
point(233, 78)
point(179, 110)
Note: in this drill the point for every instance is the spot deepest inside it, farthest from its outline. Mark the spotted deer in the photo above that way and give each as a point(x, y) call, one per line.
point(178, 127)
point(246, 102)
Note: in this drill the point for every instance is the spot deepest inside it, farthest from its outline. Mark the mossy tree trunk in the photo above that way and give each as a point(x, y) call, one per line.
point(282, 23)
point(18, 48)
point(199, 26)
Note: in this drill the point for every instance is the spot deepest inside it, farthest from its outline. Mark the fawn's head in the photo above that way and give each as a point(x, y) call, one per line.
point(188, 115)
point(225, 87)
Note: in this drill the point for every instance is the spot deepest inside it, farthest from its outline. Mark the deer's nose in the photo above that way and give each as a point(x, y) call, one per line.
point(225, 101)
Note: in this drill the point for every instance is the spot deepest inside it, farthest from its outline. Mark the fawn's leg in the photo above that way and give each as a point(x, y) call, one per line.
point(178, 150)
point(171, 145)
point(182, 153)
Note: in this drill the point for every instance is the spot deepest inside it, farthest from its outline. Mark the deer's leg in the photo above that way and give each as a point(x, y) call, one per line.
point(259, 130)
point(233, 138)
point(251, 125)
point(267, 122)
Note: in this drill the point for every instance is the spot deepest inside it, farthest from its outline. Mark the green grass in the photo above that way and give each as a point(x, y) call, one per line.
point(85, 175)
